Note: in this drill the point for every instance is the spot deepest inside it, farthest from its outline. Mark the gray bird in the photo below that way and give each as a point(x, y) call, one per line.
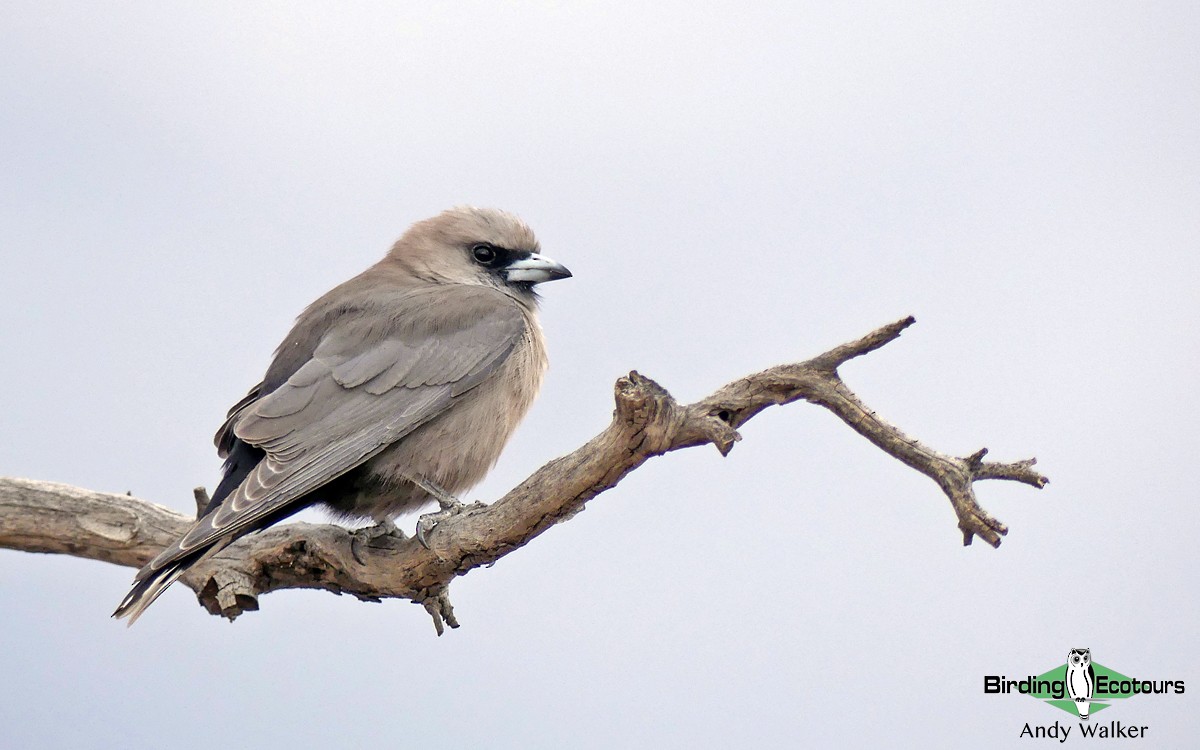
point(397, 388)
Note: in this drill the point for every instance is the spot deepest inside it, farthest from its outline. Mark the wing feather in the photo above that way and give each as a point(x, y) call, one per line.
point(369, 382)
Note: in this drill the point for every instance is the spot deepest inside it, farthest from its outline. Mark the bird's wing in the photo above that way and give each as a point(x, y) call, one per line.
point(225, 438)
point(370, 381)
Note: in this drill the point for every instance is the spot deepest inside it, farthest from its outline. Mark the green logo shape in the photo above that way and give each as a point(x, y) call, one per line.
point(1112, 680)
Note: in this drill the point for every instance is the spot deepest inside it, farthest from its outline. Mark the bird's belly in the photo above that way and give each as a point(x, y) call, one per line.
point(453, 451)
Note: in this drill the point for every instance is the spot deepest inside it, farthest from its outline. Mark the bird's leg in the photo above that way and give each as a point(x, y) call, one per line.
point(450, 506)
point(448, 502)
point(360, 539)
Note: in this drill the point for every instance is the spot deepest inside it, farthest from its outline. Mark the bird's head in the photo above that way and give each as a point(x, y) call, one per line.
point(483, 246)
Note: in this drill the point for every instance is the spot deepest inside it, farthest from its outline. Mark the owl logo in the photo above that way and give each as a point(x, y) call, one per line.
point(1081, 680)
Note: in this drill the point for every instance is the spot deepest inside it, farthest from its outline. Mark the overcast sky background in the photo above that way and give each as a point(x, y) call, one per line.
point(734, 186)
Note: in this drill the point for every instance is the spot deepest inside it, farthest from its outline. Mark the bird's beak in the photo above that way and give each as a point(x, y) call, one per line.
point(535, 269)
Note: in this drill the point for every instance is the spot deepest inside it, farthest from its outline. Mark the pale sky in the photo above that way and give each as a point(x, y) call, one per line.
point(734, 186)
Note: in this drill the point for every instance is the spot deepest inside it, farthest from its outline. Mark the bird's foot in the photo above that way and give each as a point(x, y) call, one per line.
point(429, 521)
point(362, 538)
point(450, 506)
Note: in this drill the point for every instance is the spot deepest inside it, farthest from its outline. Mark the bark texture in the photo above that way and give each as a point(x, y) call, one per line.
point(40, 516)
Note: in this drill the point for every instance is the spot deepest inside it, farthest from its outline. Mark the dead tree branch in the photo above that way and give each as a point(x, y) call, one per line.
point(45, 517)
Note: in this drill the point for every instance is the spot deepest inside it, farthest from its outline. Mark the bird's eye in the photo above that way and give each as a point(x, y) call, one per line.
point(485, 254)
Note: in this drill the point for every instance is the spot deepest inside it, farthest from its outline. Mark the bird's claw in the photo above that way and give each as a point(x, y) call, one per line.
point(449, 504)
point(360, 539)
point(430, 521)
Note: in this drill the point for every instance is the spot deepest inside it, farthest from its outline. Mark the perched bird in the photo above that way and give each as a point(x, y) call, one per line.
point(398, 387)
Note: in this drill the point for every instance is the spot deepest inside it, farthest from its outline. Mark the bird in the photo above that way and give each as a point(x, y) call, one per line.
point(397, 388)
point(1081, 680)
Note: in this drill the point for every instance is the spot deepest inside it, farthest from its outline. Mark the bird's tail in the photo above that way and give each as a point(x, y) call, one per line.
point(145, 591)
point(149, 584)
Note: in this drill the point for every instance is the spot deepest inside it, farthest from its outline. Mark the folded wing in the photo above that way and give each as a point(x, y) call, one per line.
point(371, 380)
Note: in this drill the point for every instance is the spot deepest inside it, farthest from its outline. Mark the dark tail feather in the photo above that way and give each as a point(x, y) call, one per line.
point(145, 592)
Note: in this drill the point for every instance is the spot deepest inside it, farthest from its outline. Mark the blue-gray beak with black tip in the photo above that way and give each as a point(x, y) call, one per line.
point(534, 269)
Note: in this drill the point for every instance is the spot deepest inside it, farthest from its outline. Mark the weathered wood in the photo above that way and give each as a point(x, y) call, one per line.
point(46, 517)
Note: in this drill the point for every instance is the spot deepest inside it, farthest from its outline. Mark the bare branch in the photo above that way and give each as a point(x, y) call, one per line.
point(46, 517)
